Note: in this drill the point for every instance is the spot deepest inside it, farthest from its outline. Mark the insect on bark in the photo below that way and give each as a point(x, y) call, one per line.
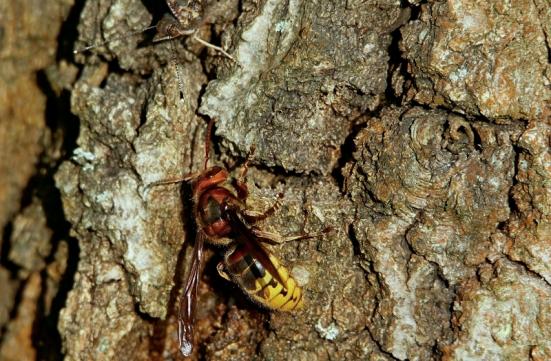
point(186, 18)
point(222, 218)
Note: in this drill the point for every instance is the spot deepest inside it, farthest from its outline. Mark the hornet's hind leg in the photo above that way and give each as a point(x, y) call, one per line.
point(274, 238)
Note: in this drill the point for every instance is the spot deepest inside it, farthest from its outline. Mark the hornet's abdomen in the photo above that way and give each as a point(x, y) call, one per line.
point(255, 279)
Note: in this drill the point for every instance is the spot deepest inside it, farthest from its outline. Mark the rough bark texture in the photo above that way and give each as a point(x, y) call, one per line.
point(33, 244)
point(418, 131)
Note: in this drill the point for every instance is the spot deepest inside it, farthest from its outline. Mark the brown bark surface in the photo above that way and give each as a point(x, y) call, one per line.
point(418, 131)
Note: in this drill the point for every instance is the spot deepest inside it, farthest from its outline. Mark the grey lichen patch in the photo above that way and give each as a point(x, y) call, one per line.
point(504, 318)
point(428, 200)
point(110, 189)
point(488, 58)
point(306, 71)
point(101, 300)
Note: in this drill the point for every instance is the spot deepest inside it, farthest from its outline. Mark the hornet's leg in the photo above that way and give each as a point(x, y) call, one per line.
point(254, 216)
point(239, 183)
point(222, 272)
point(274, 238)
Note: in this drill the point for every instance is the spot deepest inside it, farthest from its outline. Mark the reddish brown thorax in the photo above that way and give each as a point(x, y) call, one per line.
point(211, 210)
point(211, 198)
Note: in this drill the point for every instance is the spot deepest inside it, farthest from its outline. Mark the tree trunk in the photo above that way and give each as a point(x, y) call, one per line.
point(417, 133)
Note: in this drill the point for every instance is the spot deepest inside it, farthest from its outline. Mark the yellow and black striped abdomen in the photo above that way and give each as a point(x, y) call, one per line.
point(279, 292)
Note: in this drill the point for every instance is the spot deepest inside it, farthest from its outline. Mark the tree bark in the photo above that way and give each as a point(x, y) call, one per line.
point(417, 131)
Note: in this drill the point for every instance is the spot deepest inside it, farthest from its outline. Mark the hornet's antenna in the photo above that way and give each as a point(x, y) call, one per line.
point(124, 36)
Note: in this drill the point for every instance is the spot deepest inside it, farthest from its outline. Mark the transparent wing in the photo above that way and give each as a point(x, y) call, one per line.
point(251, 243)
point(188, 299)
